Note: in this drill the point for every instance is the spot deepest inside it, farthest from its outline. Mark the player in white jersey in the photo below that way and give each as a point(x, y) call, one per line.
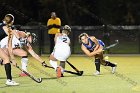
point(61, 50)
point(17, 46)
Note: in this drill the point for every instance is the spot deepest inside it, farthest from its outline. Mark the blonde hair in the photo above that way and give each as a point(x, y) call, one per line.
point(11, 18)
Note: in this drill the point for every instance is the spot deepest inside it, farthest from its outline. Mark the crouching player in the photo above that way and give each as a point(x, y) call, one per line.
point(61, 50)
point(17, 46)
point(93, 47)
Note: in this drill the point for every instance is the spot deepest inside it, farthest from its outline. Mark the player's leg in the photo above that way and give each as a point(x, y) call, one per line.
point(52, 43)
point(53, 62)
point(97, 65)
point(62, 53)
point(24, 59)
point(7, 66)
point(107, 63)
point(62, 64)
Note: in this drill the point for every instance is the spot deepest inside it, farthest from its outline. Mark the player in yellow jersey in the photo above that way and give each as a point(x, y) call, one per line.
point(53, 25)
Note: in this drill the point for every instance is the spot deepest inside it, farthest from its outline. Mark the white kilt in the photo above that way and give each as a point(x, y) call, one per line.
point(61, 52)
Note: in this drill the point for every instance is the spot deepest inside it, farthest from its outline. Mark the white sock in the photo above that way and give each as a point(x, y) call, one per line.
point(62, 70)
point(53, 64)
point(24, 62)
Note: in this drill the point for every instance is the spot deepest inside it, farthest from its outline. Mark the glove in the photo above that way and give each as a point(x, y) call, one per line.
point(44, 64)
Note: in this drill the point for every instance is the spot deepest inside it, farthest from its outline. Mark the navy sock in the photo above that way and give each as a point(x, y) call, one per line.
point(109, 64)
point(8, 71)
point(97, 64)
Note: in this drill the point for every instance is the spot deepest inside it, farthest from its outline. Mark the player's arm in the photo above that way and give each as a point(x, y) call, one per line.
point(88, 53)
point(58, 24)
point(22, 34)
point(56, 35)
point(31, 51)
point(96, 43)
point(19, 34)
point(49, 25)
point(15, 32)
point(59, 21)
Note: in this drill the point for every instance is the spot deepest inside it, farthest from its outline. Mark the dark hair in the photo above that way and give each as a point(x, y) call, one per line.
point(81, 35)
point(52, 13)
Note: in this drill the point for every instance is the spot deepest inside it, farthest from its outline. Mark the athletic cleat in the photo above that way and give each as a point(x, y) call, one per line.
point(97, 73)
point(22, 75)
point(114, 68)
point(11, 83)
point(59, 72)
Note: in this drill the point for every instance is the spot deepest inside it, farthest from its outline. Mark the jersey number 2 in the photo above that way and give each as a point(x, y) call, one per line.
point(65, 40)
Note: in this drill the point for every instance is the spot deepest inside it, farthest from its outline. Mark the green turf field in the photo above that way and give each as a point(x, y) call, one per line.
point(126, 80)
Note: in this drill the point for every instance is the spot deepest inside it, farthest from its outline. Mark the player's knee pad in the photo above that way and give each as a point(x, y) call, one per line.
point(24, 56)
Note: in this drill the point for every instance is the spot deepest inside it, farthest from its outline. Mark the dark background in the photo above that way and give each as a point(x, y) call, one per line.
point(73, 12)
point(108, 20)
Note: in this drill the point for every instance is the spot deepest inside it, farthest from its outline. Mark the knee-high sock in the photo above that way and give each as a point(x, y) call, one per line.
point(62, 64)
point(53, 64)
point(8, 71)
point(24, 62)
point(109, 64)
point(97, 64)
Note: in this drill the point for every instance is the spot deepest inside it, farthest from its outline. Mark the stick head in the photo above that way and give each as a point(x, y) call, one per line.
point(39, 80)
point(81, 73)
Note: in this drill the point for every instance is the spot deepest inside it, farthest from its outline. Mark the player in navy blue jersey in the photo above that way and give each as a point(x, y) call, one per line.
point(93, 47)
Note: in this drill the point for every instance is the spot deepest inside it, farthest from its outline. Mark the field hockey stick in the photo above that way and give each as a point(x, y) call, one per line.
point(38, 80)
point(67, 71)
point(112, 45)
point(80, 72)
